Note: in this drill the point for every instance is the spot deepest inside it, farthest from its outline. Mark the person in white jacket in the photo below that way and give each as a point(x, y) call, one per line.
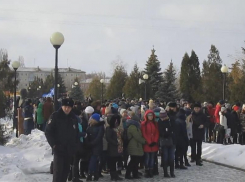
point(223, 122)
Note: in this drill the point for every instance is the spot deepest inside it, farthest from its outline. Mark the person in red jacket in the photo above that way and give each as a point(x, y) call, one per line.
point(149, 129)
point(220, 104)
point(211, 132)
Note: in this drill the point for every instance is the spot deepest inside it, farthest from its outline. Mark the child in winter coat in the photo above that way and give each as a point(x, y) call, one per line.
point(149, 129)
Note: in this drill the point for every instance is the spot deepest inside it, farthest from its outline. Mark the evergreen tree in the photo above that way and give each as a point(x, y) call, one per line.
point(48, 83)
point(6, 74)
point(95, 89)
point(62, 88)
point(131, 87)
point(2, 105)
point(167, 90)
point(190, 82)
point(184, 77)
point(153, 70)
point(76, 92)
point(236, 83)
point(117, 82)
point(34, 89)
point(212, 79)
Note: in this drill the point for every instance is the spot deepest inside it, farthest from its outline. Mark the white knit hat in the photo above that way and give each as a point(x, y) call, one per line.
point(243, 107)
point(223, 109)
point(89, 110)
point(122, 111)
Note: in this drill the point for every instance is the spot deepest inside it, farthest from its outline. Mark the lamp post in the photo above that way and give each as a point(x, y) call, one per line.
point(56, 39)
point(58, 87)
point(145, 77)
point(15, 65)
point(102, 84)
point(224, 71)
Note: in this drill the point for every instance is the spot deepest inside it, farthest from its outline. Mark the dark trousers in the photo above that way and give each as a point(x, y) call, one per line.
point(196, 149)
point(61, 168)
point(185, 153)
point(120, 163)
point(28, 126)
point(75, 168)
point(84, 166)
point(103, 161)
point(112, 163)
point(167, 154)
point(211, 131)
point(149, 160)
point(133, 165)
point(179, 154)
point(125, 160)
point(93, 164)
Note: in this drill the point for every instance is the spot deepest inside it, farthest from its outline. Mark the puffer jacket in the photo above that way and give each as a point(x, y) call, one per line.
point(150, 133)
point(136, 140)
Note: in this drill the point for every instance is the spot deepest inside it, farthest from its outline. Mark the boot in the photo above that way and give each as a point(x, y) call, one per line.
point(119, 172)
point(182, 166)
point(165, 170)
point(172, 169)
point(155, 171)
point(115, 177)
point(89, 177)
point(136, 174)
point(51, 167)
point(177, 165)
point(187, 163)
point(70, 175)
point(96, 176)
point(128, 175)
point(147, 173)
point(76, 180)
point(151, 173)
point(198, 163)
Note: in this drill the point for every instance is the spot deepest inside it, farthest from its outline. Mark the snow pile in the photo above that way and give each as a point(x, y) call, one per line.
point(24, 156)
point(231, 155)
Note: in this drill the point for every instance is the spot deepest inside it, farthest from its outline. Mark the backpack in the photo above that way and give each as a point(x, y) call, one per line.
point(126, 140)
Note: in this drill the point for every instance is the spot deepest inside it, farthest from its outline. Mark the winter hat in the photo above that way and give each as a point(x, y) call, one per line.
point(228, 106)
point(122, 111)
point(205, 104)
point(96, 117)
point(67, 102)
point(223, 109)
point(243, 107)
point(235, 108)
point(114, 105)
point(163, 113)
point(221, 102)
point(89, 110)
point(172, 104)
point(197, 104)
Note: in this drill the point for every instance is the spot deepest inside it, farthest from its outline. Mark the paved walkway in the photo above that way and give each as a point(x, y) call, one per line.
point(207, 173)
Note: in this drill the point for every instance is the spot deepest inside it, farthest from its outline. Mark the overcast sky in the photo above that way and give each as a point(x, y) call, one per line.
point(99, 32)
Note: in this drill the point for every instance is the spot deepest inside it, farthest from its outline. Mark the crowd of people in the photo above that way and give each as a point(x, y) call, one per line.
point(91, 139)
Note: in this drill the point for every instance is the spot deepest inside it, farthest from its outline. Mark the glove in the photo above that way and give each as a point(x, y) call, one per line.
point(152, 144)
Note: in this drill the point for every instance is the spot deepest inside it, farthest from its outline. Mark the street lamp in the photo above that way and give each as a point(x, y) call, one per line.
point(102, 84)
point(58, 87)
point(145, 77)
point(56, 39)
point(76, 84)
point(15, 65)
point(224, 70)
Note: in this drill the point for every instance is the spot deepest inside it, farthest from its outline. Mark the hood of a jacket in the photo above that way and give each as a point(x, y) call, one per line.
point(147, 112)
point(133, 122)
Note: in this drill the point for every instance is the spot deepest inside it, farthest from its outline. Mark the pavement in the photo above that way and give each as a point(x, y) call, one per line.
point(209, 172)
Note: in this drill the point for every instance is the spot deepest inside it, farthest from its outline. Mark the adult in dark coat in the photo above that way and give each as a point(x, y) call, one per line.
point(95, 133)
point(181, 139)
point(48, 109)
point(235, 123)
point(85, 154)
point(62, 135)
point(199, 122)
point(115, 145)
point(28, 117)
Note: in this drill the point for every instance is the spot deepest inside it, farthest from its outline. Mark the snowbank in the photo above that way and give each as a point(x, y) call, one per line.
point(232, 155)
point(24, 156)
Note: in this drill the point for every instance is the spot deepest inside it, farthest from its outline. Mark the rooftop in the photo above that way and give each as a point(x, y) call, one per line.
point(61, 70)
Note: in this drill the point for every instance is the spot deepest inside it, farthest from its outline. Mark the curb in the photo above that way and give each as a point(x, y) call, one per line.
point(225, 165)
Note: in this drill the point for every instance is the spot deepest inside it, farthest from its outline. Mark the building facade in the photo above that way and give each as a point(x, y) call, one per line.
point(26, 75)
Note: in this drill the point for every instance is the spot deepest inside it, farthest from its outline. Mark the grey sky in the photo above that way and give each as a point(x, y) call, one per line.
point(98, 32)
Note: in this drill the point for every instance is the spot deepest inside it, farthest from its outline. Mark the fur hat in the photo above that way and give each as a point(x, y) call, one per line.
point(197, 104)
point(67, 102)
point(89, 110)
point(122, 111)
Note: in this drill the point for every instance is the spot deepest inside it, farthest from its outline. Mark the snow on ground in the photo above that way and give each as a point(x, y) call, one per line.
point(232, 155)
point(24, 156)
